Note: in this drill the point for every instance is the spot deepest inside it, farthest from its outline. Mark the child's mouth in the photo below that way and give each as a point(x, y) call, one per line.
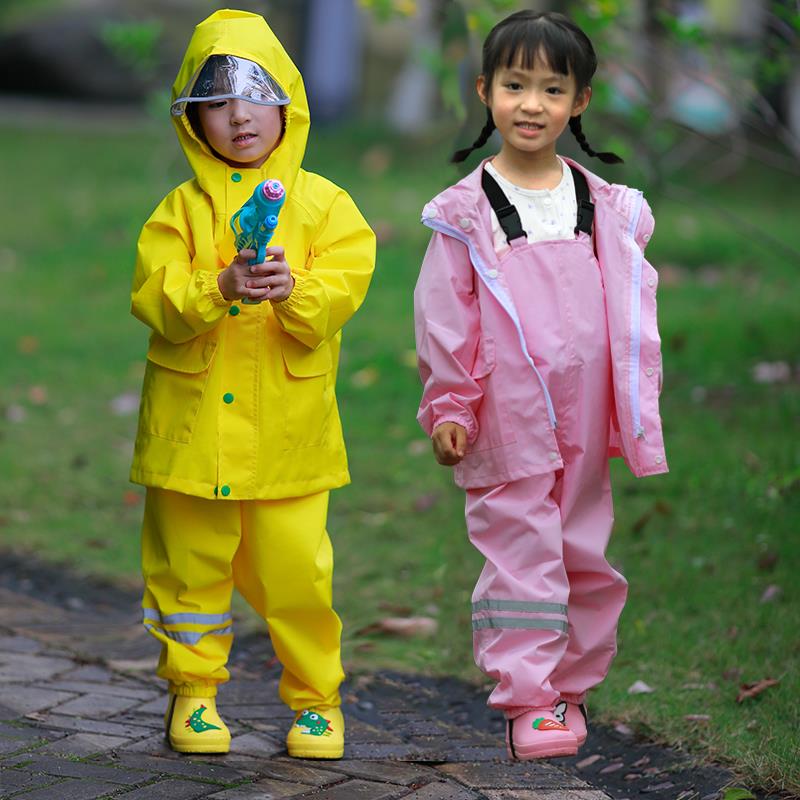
point(244, 138)
point(530, 126)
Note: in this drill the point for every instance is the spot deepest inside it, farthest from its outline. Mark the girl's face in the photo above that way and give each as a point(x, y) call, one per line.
point(532, 107)
point(243, 133)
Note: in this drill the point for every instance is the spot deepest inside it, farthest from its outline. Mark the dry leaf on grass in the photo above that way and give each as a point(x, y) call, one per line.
point(403, 626)
point(640, 687)
point(753, 689)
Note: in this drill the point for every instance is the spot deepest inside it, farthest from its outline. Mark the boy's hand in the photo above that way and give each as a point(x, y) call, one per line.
point(449, 443)
point(274, 275)
point(270, 280)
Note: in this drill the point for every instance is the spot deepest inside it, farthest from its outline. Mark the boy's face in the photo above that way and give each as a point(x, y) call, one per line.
point(243, 133)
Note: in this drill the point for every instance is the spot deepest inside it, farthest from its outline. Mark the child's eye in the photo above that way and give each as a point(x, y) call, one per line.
point(555, 90)
point(216, 104)
point(513, 86)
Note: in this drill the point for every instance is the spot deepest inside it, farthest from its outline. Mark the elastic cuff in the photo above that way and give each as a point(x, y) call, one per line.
point(211, 288)
point(295, 299)
point(466, 421)
point(193, 689)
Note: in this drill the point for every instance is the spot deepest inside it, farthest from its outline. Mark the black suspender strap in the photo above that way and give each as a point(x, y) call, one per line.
point(585, 205)
point(507, 215)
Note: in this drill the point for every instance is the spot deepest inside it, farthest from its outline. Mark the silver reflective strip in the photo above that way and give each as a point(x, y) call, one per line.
point(519, 622)
point(636, 317)
point(519, 605)
point(188, 637)
point(186, 618)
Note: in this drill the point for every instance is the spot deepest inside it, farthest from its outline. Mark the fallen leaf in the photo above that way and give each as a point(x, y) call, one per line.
point(737, 793)
point(409, 358)
point(616, 767)
point(587, 762)
point(27, 345)
point(640, 687)
point(408, 626)
point(697, 718)
point(364, 378)
point(37, 395)
point(426, 501)
point(125, 404)
point(632, 776)
point(772, 592)
point(16, 414)
point(772, 372)
point(753, 689)
point(623, 729)
point(131, 498)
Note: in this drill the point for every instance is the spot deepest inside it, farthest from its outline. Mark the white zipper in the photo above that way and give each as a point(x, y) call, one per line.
point(635, 331)
point(502, 298)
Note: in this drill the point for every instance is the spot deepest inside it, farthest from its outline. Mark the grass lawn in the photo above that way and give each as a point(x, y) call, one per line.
point(710, 550)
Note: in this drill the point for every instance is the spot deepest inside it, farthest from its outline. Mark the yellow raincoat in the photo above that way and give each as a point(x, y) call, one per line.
point(238, 400)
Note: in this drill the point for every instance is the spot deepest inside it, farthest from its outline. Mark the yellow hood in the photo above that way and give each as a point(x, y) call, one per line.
point(240, 33)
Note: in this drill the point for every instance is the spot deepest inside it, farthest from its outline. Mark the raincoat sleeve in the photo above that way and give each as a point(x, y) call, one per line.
point(447, 325)
point(332, 285)
point(170, 297)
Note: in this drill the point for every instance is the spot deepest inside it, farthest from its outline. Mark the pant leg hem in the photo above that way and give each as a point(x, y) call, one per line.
point(193, 689)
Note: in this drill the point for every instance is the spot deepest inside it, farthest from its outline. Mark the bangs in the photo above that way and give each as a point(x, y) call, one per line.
point(532, 40)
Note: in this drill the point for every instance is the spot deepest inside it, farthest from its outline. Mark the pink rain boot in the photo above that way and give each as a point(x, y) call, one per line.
point(574, 716)
point(538, 734)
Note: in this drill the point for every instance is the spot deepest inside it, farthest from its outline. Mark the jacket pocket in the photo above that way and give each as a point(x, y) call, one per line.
point(494, 425)
point(308, 393)
point(175, 380)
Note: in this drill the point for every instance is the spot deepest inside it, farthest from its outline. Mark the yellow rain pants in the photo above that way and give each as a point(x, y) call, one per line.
point(278, 555)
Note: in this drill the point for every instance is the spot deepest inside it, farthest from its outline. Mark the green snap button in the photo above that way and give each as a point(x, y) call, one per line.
point(226, 490)
point(228, 398)
point(236, 177)
point(216, 491)
point(234, 310)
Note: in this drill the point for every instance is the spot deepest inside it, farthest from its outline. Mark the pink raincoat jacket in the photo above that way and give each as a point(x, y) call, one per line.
point(475, 366)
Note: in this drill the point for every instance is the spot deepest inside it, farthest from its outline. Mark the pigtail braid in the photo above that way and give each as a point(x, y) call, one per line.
point(577, 132)
point(483, 137)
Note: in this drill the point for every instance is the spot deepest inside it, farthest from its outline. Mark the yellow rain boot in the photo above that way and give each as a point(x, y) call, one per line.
point(194, 726)
point(317, 733)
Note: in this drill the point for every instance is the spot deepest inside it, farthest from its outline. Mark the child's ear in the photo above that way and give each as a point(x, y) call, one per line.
point(581, 101)
point(480, 87)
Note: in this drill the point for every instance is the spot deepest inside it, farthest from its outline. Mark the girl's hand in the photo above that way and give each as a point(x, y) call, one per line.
point(274, 276)
point(449, 443)
point(270, 280)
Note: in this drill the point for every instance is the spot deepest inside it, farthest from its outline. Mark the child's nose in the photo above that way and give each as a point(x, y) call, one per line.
point(532, 101)
point(239, 111)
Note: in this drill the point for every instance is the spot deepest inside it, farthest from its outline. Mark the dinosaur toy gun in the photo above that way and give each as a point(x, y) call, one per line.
point(255, 222)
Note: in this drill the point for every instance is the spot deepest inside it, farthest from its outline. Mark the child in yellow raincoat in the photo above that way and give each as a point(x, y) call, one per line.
point(239, 438)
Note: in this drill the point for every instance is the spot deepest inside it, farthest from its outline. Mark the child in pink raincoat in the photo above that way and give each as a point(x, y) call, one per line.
point(540, 356)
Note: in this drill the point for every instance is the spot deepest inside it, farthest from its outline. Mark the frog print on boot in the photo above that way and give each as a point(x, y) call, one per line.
point(194, 726)
point(317, 733)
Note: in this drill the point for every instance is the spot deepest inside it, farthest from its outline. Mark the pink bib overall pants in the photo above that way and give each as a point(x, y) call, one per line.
point(546, 605)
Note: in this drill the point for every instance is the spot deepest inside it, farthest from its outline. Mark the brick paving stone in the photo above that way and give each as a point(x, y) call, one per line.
point(27, 699)
point(9, 746)
point(65, 768)
point(256, 744)
point(95, 706)
point(512, 775)
point(106, 688)
point(444, 791)
point(29, 667)
point(93, 673)
point(62, 722)
point(457, 753)
point(19, 644)
point(15, 780)
point(28, 732)
point(399, 751)
point(70, 790)
point(262, 790)
point(527, 794)
point(389, 772)
point(253, 711)
point(292, 770)
point(190, 766)
point(155, 745)
point(158, 705)
point(170, 789)
point(359, 732)
point(356, 790)
point(82, 744)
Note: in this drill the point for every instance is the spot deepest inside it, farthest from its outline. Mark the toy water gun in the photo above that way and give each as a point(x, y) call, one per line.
point(255, 222)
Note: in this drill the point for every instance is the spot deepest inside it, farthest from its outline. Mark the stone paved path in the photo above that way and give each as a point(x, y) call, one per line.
point(81, 718)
